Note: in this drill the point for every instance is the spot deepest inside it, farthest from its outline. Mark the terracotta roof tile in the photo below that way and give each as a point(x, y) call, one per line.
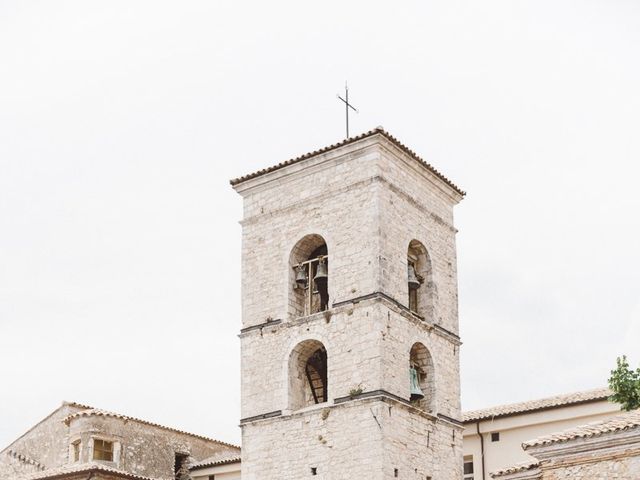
point(533, 405)
point(620, 422)
point(520, 467)
point(215, 461)
point(348, 141)
point(90, 412)
point(76, 468)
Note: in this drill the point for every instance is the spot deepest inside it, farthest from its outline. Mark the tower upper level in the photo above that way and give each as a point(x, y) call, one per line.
point(363, 217)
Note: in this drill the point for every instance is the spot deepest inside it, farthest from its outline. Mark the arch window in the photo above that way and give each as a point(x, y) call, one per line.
point(419, 280)
point(308, 375)
point(309, 276)
point(421, 378)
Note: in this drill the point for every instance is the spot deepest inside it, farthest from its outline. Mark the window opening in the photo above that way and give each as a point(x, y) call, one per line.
point(468, 468)
point(421, 378)
point(102, 450)
point(180, 467)
point(495, 437)
point(75, 446)
point(316, 371)
point(308, 375)
point(312, 277)
point(420, 286)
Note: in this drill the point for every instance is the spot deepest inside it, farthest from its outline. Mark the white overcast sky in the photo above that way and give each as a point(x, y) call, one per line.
point(121, 123)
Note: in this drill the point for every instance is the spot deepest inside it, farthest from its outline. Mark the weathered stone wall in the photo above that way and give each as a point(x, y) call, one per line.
point(46, 442)
point(622, 467)
point(144, 449)
point(314, 203)
point(410, 210)
point(368, 202)
point(139, 448)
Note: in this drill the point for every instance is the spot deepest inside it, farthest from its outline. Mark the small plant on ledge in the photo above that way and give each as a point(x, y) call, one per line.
point(355, 391)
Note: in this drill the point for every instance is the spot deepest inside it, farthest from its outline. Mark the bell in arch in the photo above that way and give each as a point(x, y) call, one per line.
point(301, 276)
point(321, 273)
point(414, 283)
point(416, 392)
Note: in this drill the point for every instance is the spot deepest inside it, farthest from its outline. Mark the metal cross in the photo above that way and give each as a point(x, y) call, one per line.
point(347, 105)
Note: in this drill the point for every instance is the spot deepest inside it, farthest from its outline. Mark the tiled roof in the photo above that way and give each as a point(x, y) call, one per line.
point(215, 461)
point(534, 405)
point(348, 141)
point(620, 422)
point(91, 412)
point(521, 467)
point(77, 468)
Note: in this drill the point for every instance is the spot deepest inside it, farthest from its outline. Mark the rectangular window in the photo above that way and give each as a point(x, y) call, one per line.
point(75, 449)
point(102, 450)
point(495, 437)
point(468, 468)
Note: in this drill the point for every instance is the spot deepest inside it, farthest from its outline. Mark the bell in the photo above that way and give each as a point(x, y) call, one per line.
point(301, 276)
point(321, 273)
point(416, 392)
point(414, 283)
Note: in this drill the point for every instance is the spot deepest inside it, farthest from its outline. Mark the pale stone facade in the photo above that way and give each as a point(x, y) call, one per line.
point(77, 440)
point(364, 202)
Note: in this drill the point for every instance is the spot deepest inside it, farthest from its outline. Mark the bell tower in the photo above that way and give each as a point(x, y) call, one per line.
point(350, 347)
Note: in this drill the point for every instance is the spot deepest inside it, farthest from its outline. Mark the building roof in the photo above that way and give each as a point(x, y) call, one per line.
point(520, 467)
point(618, 423)
point(576, 398)
point(76, 468)
point(376, 131)
point(215, 461)
point(96, 412)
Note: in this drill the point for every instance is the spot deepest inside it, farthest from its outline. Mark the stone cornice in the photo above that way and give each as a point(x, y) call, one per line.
point(371, 396)
point(344, 305)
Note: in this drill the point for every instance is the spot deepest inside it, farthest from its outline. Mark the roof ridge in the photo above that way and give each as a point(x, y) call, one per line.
point(553, 401)
point(624, 421)
point(76, 468)
point(348, 141)
point(107, 413)
point(64, 404)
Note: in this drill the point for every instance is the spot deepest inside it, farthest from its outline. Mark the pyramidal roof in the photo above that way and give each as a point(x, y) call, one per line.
point(371, 133)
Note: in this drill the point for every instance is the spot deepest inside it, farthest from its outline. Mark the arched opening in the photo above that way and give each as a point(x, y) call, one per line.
point(309, 276)
point(419, 280)
point(421, 378)
point(308, 380)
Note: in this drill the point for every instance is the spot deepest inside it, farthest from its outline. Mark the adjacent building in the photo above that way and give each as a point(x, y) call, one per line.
point(78, 441)
point(493, 437)
point(608, 449)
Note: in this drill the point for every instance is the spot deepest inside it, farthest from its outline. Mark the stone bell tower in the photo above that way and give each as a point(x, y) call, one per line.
point(350, 347)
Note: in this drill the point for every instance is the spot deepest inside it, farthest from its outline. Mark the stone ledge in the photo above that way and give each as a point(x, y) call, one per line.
point(343, 305)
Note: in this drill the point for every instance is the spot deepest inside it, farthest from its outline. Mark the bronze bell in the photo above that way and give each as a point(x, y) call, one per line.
point(416, 392)
point(321, 273)
point(301, 276)
point(414, 283)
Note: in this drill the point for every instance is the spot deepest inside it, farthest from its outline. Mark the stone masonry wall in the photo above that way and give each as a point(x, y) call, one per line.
point(139, 448)
point(145, 450)
point(46, 442)
point(368, 202)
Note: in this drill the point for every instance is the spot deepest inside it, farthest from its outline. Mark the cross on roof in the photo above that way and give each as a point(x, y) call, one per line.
point(347, 105)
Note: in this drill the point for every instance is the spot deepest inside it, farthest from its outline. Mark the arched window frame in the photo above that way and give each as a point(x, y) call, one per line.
point(306, 256)
point(421, 300)
point(421, 359)
point(307, 375)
